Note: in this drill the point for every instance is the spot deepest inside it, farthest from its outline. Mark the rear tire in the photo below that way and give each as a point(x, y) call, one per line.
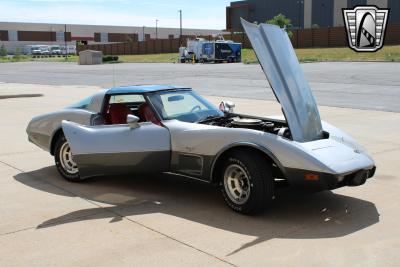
point(64, 161)
point(246, 182)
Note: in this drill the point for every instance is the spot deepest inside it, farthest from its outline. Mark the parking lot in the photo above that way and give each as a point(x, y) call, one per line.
point(359, 85)
point(166, 220)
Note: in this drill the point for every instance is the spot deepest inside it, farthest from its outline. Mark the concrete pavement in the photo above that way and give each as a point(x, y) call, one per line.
point(165, 220)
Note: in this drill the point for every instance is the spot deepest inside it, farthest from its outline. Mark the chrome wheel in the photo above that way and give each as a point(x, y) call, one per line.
point(67, 159)
point(237, 184)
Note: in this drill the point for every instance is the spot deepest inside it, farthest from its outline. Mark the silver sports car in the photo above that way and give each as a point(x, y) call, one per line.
point(159, 128)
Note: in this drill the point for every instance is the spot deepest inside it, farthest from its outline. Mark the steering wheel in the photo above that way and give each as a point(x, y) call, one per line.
point(195, 107)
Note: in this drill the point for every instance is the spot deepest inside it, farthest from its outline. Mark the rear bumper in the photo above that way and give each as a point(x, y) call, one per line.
point(327, 181)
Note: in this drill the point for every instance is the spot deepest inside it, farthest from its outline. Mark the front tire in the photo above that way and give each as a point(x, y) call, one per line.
point(64, 161)
point(246, 184)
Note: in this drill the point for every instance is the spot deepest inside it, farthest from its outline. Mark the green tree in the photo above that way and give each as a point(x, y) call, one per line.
point(17, 54)
point(3, 51)
point(283, 22)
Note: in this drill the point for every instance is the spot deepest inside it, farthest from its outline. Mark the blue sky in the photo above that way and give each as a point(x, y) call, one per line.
point(196, 14)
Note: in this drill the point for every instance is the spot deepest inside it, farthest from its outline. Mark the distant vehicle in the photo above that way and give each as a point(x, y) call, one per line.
point(55, 50)
point(45, 50)
point(71, 50)
point(201, 50)
point(32, 50)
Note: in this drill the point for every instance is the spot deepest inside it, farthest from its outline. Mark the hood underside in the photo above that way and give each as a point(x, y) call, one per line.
point(285, 75)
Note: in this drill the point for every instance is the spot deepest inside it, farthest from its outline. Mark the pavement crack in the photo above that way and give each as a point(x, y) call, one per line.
point(17, 231)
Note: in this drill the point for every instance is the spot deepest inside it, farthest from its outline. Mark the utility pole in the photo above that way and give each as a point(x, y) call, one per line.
point(300, 2)
point(156, 29)
point(180, 27)
point(65, 42)
point(143, 34)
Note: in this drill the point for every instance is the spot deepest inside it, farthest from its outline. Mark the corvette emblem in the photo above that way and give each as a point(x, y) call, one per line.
point(366, 26)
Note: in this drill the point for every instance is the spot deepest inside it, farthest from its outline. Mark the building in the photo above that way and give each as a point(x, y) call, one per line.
point(16, 34)
point(302, 13)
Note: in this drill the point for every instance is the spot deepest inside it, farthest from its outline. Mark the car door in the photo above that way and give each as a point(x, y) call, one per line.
point(118, 149)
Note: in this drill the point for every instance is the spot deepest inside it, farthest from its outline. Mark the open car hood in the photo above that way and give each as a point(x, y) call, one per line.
point(282, 68)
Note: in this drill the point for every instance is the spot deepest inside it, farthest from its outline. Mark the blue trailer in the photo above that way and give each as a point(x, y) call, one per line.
point(200, 50)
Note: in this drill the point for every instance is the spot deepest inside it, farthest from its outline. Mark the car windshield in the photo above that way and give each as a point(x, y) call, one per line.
point(183, 105)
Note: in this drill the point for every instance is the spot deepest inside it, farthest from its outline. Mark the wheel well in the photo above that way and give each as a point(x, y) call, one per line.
point(56, 136)
point(217, 167)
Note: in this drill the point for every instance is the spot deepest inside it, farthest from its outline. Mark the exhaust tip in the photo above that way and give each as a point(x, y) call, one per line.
point(358, 178)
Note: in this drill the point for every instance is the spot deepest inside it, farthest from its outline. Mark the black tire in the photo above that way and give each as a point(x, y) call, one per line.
point(68, 175)
point(259, 176)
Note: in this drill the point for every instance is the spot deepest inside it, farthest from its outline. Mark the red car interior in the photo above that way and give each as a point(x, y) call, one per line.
point(147, 114)
point(117, 114)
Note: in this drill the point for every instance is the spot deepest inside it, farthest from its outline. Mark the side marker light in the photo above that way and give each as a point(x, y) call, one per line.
point(311, 177)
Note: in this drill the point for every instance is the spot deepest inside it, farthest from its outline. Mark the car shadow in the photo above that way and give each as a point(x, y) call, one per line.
point(294, 215)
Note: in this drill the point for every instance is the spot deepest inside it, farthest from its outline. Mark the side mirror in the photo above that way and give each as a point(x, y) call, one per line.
point(132, 121)
point(227, 106)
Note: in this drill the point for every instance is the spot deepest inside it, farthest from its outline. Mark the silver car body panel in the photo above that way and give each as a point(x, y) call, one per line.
point(339, 154)
point(285, 75)
point(96, 104)
point(118, 148)
point(41, 129)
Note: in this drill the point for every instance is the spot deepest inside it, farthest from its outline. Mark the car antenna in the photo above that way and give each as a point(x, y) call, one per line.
point(113, 75)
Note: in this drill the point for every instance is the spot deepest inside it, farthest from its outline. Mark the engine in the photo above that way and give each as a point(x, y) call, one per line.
point(247, 122)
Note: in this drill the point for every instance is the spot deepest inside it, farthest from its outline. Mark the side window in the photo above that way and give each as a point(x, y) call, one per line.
point(120, 105)
point(83, 104)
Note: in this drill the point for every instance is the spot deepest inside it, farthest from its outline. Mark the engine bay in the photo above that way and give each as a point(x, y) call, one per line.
point(248, 122)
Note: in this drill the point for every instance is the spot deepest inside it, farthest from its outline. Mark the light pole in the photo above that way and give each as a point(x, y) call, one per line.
point(156, 29)
point(180, 27)
point(300, 2)
point(65, 42)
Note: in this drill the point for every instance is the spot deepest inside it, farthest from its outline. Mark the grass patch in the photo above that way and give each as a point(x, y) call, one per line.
point(25, 58)
point(70, 58)
point(387, 53)
point(150, 58)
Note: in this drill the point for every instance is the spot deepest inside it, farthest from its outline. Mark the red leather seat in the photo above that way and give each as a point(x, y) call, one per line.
point(147, 114)
point(117, 113)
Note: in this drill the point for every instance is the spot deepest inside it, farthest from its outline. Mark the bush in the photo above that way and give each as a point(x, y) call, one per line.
point(283, 22)
point(17, 54)
point(3, 51)
point(110, 58)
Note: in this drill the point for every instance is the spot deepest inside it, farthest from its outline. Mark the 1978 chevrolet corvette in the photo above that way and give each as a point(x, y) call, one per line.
point(157, 128)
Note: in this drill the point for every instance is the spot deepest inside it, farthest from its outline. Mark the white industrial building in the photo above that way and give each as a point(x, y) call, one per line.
point(18, 34)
